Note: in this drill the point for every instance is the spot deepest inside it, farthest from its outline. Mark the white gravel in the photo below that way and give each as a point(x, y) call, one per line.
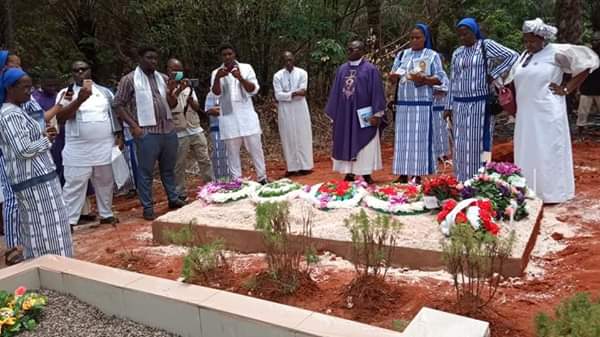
point(66, 316)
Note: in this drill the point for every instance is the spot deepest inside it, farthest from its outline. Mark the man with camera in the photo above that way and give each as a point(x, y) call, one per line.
point(233, 84)
point(192, 142)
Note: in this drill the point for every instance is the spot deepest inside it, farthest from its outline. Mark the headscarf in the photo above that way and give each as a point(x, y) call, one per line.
point(425, 29)
point(539, 28)
point(10, 77)
point(473, 26)
point(3, 59)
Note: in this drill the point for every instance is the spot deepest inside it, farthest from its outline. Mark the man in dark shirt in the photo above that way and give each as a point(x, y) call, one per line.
point(142, 102)
point(590, 90)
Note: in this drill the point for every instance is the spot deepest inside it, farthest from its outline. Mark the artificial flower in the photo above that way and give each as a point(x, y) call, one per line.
point(20, 291)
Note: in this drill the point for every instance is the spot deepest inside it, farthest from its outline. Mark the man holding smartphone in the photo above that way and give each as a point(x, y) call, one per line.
point(192, 142)
point(234, 84)
point(90, 129)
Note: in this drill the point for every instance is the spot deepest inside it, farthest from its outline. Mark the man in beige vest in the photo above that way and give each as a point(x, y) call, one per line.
point(192, 142)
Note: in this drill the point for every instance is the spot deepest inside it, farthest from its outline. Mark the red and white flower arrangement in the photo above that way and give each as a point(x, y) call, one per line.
point(438, 189)
point(398, 199)
point(335, 194)
point(478, 213)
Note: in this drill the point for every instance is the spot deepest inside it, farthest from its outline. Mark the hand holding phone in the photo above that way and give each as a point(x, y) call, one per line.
point(222, 72)
point(85, 92)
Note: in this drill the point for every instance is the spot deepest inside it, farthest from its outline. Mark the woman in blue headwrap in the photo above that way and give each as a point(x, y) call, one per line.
point(475, 65)
point(416, 70)
point(10, 210)
point(43, 225)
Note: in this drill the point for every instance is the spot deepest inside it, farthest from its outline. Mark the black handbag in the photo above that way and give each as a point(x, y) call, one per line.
point(493, 106)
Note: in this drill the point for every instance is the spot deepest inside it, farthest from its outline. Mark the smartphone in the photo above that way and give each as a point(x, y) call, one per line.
point(68, 96)
point(194, 82)
point(87, 84)
point(177, 75)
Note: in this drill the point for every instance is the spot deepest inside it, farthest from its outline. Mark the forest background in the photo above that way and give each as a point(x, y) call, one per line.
point(50, 34)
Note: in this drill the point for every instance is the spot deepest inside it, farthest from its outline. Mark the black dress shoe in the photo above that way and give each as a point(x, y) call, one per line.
point(401, 180)
point(110, 220)
point(289, 174)
point(149, 215)
point(177, 203)
point(86, 218)
point(349, 177)
point(368, 179)
point(305, 172)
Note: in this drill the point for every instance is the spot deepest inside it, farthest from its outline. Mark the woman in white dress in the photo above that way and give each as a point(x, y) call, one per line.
point(542, 136)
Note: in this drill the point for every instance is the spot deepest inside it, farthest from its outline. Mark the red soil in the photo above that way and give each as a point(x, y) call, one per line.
point(576, 268)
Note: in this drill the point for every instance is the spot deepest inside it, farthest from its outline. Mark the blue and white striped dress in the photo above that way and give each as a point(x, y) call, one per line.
point(218, 149)
point(43, 225)
point(10, 209)
point(441, 141)
point(469, 90)
point(413, 150)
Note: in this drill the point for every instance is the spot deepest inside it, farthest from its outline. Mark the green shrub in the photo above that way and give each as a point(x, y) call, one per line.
point(475, 259)
point(577, 316)
point(284, 255)
point(181, 237)
point(201, 261)
point(373, 240)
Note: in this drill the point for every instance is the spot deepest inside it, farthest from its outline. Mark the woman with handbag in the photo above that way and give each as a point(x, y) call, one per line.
point(417, 70)
point(475, 65)
point(542, 137)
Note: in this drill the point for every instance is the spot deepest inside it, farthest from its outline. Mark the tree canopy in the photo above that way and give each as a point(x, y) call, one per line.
point(50, 34)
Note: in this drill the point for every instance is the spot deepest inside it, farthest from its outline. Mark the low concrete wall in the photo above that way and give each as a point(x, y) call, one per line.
point(179, 308)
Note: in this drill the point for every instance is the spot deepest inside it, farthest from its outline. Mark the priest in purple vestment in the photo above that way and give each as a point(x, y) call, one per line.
point(357, 90)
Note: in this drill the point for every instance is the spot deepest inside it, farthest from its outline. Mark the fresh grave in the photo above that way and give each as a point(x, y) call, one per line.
point(420, 239)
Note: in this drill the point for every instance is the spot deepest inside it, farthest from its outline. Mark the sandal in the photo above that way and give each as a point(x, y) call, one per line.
point(13, 256)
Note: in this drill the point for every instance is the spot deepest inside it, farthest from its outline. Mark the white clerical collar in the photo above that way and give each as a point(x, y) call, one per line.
point(355, 63)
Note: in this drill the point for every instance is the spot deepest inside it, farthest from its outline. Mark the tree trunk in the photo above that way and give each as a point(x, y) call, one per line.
point(374, 22)
point(569, 19)
point(595, 15)
point(8, 35)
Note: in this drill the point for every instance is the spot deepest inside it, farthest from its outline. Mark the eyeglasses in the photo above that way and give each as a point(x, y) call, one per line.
point(81, 69)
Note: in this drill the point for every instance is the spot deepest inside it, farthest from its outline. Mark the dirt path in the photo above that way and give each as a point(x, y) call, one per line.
point(574, 266)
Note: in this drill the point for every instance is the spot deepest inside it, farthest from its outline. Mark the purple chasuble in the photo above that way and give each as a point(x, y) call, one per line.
point(355, 87)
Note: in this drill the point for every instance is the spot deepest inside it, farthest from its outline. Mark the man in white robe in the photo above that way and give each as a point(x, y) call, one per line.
point(290, 85)
point(234, 84)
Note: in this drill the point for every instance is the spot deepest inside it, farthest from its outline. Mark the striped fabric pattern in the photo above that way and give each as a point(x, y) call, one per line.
point(413, 148)
point(468, 79)
point(24, 158)
point(441, 141)
point(10, 210)
point(218, 152)
point(43, 220)
point(43, 226)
